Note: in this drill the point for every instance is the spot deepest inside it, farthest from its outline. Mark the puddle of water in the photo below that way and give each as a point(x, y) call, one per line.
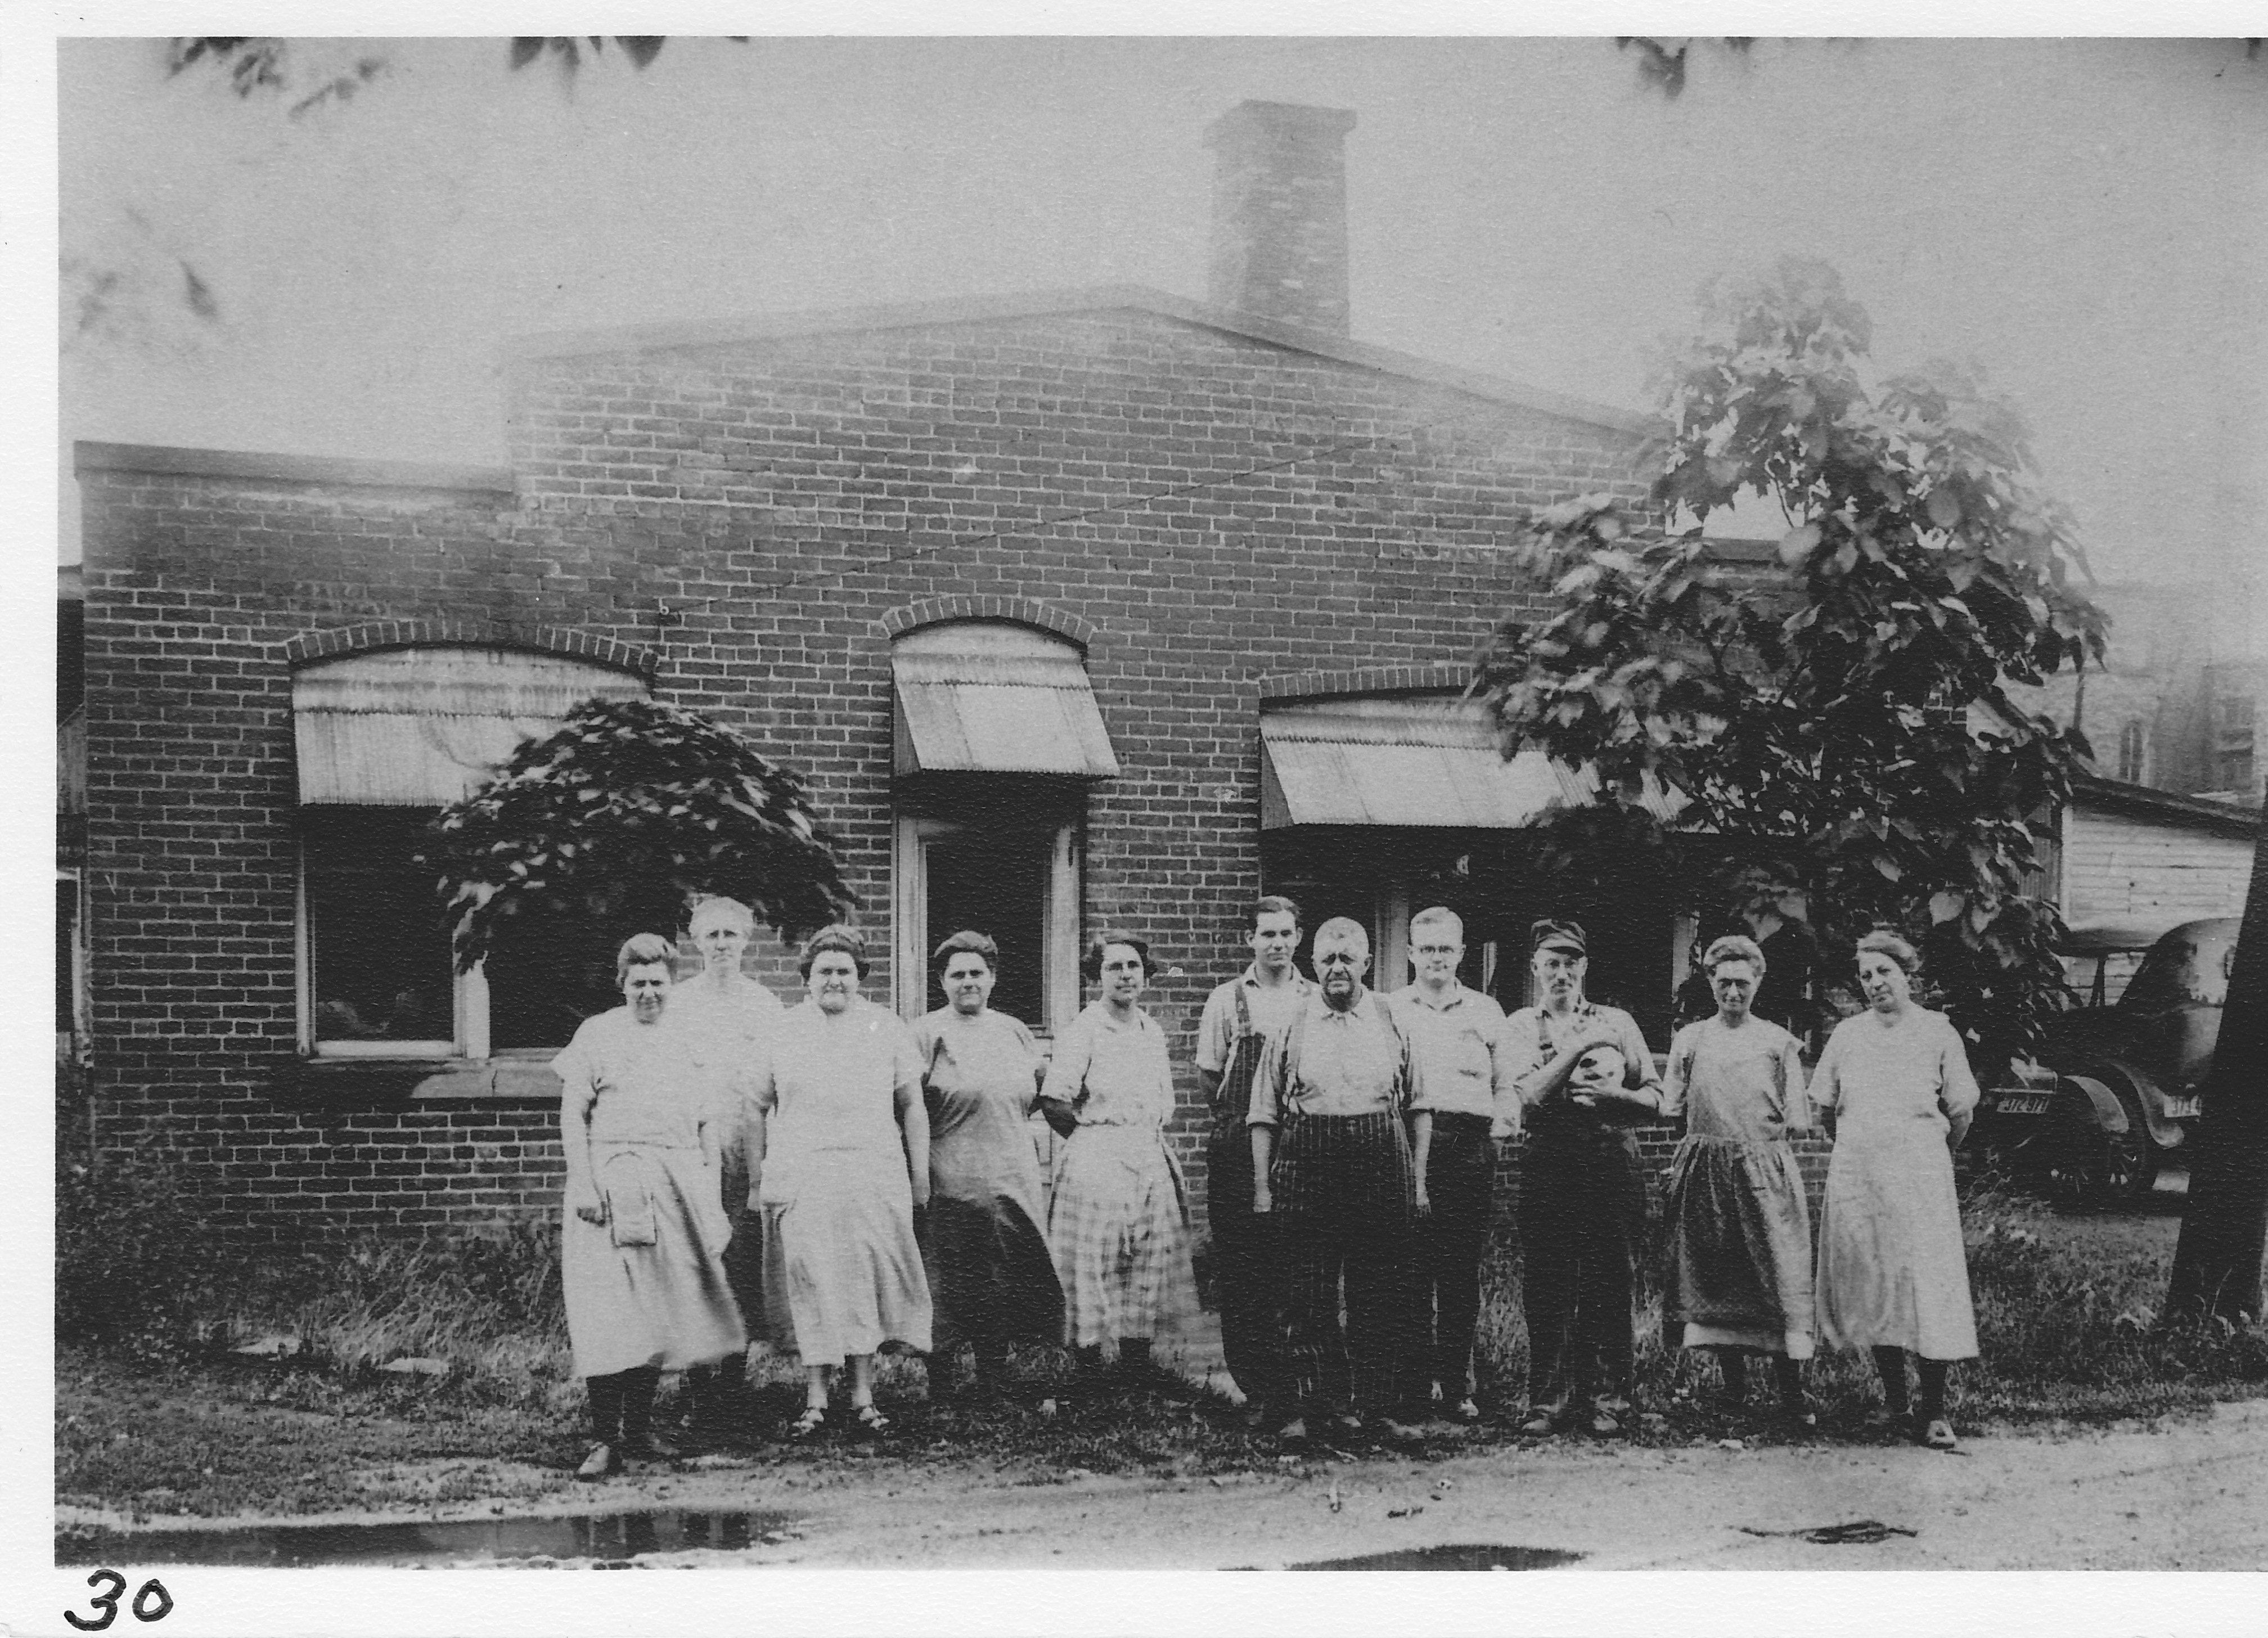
point(1483, 1557)
point(604, 1535)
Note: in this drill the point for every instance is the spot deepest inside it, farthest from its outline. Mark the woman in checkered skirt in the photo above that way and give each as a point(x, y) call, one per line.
point(1118, 1223)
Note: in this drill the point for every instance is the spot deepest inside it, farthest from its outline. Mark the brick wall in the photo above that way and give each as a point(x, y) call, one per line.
point(1211, 507)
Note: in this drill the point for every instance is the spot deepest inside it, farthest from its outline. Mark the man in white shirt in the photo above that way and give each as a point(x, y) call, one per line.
point(1469, 1084)
point(1241, 1018)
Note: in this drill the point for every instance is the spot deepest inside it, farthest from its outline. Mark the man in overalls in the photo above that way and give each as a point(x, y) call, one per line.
point(1240, 1018)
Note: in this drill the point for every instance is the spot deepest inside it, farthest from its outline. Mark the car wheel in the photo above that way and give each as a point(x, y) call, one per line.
point(2086, 1166)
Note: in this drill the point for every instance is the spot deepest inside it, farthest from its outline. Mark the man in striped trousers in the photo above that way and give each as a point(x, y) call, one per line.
point(1331, 1162)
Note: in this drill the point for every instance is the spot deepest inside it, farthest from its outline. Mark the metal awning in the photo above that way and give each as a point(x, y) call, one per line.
point(988, 696)
point(418, 727)
point(1419, 761)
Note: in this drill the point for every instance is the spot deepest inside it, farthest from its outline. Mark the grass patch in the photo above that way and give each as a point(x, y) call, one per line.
point(2065, 1309)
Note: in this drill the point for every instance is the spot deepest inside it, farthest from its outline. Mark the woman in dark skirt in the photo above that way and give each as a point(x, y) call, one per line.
point(1740, 1274)
point(989, 1271)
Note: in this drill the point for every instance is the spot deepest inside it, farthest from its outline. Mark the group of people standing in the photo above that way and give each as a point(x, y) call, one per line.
point(834, 1181)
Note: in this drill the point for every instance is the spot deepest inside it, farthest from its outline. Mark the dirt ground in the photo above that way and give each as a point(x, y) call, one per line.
point(2188, 1494)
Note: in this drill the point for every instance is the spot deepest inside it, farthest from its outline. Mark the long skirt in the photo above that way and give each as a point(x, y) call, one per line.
point(665, 1303)
point(843, 1272)
point(1893, 1272)
point(990, 1273)
point(1740, 1259)
point(1118, 1231)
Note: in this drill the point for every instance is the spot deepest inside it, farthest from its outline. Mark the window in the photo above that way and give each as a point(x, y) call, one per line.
point(384, 740)
point(2232, 744)
point(1007, 864)
point(2133, 747)
point(996, 733)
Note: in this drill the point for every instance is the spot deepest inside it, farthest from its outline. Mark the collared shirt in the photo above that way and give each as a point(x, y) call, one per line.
point(1270, 1007)
point(1463, 1066)
point(1112, 1073)
point(1356, 1062)
point(1531, 1035)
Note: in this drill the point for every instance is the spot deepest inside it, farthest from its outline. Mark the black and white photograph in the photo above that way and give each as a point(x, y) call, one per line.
point(1026, 793)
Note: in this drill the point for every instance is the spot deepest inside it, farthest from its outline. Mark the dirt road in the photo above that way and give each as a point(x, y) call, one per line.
point(2191, 1494)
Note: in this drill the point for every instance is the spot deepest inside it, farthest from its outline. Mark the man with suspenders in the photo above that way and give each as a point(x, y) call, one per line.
point(1242, 1017)
point(1331, 1161)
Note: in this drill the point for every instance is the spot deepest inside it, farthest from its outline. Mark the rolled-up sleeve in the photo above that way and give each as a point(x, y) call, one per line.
point(1067, 1070)
point(1639, 1072)
point(1215, 1028)
point(1523, 1054)
point(1266, 1105)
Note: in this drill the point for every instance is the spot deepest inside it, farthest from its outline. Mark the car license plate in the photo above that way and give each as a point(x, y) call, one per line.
point(2021, 1102)
point(2181, 1109)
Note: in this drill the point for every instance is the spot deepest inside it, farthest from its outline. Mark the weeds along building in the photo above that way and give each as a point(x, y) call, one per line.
point(1089, 608)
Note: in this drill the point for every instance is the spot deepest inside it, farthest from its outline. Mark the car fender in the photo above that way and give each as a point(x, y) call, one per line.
point(2109, 1113)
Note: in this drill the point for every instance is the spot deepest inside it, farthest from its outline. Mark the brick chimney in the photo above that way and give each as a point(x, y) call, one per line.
point(1279, 232)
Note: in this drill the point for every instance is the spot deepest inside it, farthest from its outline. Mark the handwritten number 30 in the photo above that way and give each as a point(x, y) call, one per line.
point(152, 1602)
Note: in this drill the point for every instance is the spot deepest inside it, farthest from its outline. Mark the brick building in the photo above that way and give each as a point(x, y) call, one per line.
point(1090, 607)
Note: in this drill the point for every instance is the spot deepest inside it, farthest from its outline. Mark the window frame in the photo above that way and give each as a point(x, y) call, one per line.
point(469, 998)
point(912, 828)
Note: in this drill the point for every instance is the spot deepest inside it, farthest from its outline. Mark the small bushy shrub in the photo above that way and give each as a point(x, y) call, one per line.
point(137, 1262)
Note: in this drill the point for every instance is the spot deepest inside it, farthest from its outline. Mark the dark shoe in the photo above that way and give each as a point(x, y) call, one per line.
point(602, 1463)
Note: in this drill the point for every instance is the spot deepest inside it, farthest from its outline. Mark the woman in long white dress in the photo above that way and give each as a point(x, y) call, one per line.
point(841, 1164)
point(1740, 1272)
point(643, 1226)
point(985, 1245)
point(734, 1017)
point(1118, 1223)
point(1895, 1089)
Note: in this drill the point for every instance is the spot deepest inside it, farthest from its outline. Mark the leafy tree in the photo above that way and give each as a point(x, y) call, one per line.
point(630, 808)
point(1839, 734)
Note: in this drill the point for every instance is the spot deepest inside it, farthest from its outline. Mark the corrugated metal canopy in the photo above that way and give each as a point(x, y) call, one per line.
point(1420, 761)
point(988, 696)
point(418, 727)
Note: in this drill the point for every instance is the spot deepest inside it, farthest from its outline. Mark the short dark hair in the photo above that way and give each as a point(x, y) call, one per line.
point(840, 936)
point(965, 942)
point(1274, 904)
point(1090, 965)
point(644, 949)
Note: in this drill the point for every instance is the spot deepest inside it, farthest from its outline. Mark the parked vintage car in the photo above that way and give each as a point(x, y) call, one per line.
point(2113, 1090)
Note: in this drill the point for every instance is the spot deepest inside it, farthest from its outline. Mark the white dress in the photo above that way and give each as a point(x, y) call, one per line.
point(842, 1271)
point(647, 1287)
point(1892, 1269)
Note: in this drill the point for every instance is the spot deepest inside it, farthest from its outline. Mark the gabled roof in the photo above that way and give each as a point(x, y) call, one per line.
point(1084, 299)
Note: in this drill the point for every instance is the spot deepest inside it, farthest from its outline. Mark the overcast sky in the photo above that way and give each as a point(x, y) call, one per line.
point(2089, 220)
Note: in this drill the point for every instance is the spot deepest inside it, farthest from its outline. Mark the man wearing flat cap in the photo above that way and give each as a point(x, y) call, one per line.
point(1586, 1078)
